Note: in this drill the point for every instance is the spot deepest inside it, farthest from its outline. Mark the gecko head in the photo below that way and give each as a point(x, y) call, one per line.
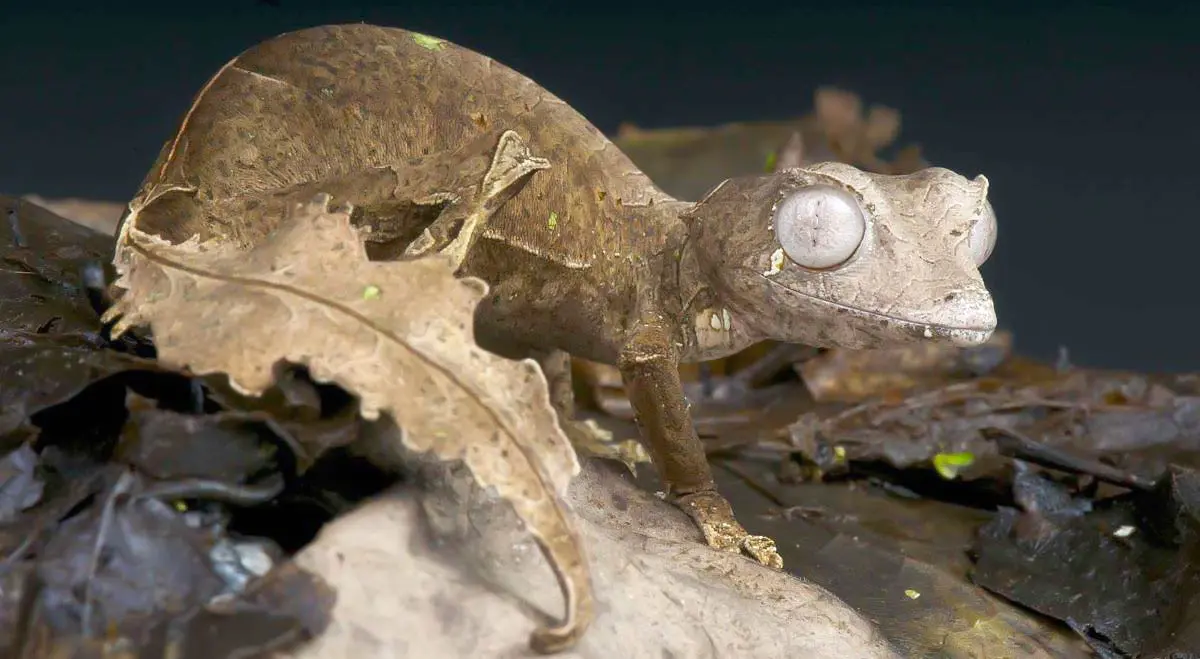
point(830, 255)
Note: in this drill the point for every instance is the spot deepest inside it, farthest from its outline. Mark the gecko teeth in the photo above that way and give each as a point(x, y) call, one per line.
point(776, 263)
point(726, 319)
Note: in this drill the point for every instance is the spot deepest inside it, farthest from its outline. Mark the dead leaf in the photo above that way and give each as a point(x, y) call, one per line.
point(21, 486)
point(851, 376)
point(95, 214)
point(838, 110)
point(42, 259)
point(882, 127)
point(38, 371)
point(408, 350)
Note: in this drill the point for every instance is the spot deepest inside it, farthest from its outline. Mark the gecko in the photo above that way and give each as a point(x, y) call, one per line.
point(439, 148)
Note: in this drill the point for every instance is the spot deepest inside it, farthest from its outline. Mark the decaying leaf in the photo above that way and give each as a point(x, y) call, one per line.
point(38, 371)
point(406, 349)
point(851, 376)
point(42, 261)
point(857, 139)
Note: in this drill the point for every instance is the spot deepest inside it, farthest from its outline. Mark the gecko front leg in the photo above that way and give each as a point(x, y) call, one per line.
point(649, 369)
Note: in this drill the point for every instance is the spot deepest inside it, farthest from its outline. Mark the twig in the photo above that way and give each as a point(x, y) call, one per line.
point(123, 486)
point(14, 225)
point(1013, 444)
point(202, 488)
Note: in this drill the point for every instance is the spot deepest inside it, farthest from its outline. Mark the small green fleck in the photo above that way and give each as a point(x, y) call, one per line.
point(839, 453)
point(371, 292)
point(426, 41)
point(948, 465)
point(180, 506)
point(772, 158)
point(553, 221)
point(911, 594)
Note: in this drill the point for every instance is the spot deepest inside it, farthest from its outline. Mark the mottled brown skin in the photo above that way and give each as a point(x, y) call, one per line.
point(378, 117)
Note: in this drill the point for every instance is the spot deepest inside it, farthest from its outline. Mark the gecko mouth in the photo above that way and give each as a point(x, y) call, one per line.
point(964, 336)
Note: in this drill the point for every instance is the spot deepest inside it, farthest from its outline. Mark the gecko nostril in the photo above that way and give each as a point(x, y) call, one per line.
point(949, 297)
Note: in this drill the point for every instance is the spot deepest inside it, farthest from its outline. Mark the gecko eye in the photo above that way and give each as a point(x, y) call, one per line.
point(982, 238)
point(819, 227)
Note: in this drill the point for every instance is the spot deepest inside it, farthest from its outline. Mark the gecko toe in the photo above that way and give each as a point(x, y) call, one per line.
point(722, 532)
point(762, 549)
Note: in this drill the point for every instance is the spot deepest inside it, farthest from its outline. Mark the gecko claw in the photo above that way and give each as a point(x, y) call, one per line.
point(712, 513)
point(762, 549)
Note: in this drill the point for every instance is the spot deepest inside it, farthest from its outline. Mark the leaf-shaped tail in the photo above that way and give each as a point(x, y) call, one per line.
point(397, 334)
point(563, 551)
point(543, 509)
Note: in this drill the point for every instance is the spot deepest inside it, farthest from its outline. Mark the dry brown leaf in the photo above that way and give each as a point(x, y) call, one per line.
point(882, 127)
point(854, 376)
point(839, 111)
point(397, 334)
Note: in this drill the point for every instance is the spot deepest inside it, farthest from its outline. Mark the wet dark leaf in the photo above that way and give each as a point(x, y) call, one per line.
point(285, 607)
point(1100, 571)
point(68, 484)
point(20, 485)
point(874, 550)
point(137, 571)
point(312, 418)
point(230, 447)
point(42, 260)
point(41, 370)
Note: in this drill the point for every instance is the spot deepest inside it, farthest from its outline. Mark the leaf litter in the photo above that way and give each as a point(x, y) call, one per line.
point(122, 486)
point(1086, 478)
point(1073, 492)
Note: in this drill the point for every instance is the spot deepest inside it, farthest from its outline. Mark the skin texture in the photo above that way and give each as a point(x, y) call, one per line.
point(584, 255)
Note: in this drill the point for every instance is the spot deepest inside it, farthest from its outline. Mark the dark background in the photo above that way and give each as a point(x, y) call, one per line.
point(1084, 119)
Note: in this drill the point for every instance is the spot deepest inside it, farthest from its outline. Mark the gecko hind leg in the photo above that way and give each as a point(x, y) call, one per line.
point(586, 436)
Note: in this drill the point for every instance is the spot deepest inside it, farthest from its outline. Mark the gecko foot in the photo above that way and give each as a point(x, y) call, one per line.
point(588, 437)
point(712, 513)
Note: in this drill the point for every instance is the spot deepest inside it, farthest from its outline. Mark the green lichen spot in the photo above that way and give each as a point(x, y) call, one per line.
point(912, 594)
point(371, 293)
point(428, 42)
point(772, 158)
point(553, 221)
point(948, 465)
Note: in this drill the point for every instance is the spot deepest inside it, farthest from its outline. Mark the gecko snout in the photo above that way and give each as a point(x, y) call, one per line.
point(966, 317)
